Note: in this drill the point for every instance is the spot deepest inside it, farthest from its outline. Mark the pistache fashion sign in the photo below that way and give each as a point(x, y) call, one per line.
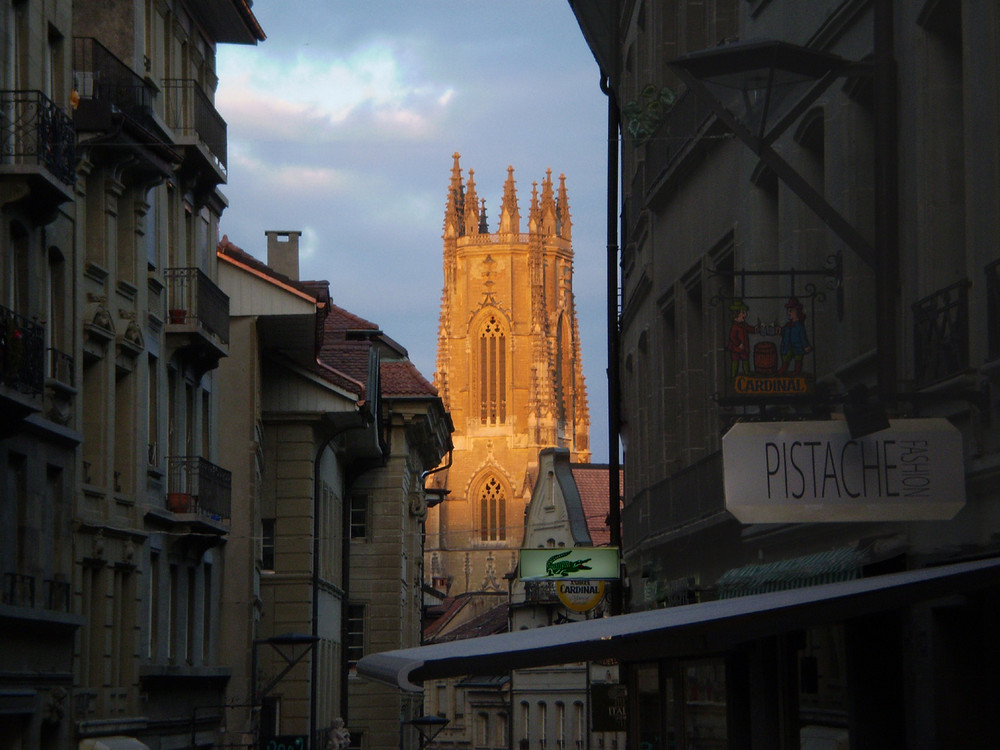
point(778, 472)
point(580, 563)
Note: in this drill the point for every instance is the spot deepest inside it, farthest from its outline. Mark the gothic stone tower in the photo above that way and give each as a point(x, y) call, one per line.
point(508, 370)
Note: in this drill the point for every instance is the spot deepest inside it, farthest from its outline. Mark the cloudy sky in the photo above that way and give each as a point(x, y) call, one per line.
point(342, 125)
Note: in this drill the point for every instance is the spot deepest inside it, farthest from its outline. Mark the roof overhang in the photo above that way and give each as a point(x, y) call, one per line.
point(691, 630)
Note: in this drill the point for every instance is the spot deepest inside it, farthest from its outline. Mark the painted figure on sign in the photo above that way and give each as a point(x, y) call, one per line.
point(738, 344)
point(794, 342)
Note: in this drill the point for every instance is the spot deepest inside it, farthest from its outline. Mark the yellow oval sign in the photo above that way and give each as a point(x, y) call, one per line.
point(580, 596)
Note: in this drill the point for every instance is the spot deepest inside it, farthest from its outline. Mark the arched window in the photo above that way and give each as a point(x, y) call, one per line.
point(493, 512)
point(492, 372)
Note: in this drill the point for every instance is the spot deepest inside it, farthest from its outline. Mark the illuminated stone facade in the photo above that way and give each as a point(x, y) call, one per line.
point(509, 372)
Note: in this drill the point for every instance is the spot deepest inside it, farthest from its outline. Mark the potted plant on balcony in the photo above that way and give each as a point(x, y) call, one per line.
point(177, 315)
point(178, 502)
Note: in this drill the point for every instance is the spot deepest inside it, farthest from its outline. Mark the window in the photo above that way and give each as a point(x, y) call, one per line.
point(492, 373)
point(493, 512)
point(359, 516)
point(267, 544)
point(153, 629)
point(355, 634)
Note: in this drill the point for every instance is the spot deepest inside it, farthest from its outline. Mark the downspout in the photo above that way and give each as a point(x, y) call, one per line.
point(614, 409)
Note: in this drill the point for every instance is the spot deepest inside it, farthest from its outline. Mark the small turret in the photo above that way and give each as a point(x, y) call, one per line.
point(565, 222)
point(510, 218)
point(471, 206)
point(455, 207)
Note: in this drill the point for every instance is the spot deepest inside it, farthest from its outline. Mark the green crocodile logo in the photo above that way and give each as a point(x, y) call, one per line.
point(556, 566)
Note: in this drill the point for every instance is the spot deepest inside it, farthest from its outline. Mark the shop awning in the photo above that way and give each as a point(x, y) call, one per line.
point(112, 743)
point(677, 631)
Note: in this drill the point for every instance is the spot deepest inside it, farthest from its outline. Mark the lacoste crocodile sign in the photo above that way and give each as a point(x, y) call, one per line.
point(574, 563)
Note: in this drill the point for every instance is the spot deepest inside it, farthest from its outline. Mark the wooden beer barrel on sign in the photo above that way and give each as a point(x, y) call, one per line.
point(765, 357)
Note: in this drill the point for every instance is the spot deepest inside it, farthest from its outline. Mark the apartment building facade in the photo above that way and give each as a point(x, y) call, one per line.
point(862, 217)
point(113, 327)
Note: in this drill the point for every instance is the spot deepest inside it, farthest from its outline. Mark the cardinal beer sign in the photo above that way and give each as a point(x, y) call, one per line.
point(766, 359)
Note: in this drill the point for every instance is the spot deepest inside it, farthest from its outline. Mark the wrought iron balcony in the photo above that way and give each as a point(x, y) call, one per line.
point(198, 314)
point(22, 356)
point(993, 310)
point(106, 85)
point(195, 485)
point(690, 495)
point(18, 590)
point(34, 132)
point(192, 116)
point(941, 334)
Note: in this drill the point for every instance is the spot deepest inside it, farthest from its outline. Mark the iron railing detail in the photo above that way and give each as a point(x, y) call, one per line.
point(194, 298)
point(941, 334)
point(22, 352)
point(18, 590)
point(190, 112)
point(993, 310)
point(61, 367)
point(100, 76)
point(207, 487)
point(34, 130)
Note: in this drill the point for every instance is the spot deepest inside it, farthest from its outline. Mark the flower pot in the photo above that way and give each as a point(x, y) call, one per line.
point(177, 316)
point(178, 502)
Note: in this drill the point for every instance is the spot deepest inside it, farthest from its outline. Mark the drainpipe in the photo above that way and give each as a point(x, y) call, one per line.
point(614, 466)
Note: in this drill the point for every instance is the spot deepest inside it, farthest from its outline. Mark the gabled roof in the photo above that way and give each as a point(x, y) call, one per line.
point(490, 622)
point(593, 483)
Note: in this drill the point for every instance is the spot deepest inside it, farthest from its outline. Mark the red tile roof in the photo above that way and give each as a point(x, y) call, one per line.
point(592, 482)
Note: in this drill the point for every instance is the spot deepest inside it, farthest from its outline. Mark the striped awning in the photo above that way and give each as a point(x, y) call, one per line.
point(843, 564)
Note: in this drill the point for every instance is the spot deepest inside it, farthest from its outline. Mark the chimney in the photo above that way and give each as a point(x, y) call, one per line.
point(283, 252)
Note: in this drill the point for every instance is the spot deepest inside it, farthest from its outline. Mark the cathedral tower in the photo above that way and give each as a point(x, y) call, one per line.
point(509, 371)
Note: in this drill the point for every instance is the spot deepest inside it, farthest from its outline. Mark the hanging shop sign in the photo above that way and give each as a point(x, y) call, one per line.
point(778, 472)
point(575, 563)
point(608, 707)
point(580, 596)
point(767, 359)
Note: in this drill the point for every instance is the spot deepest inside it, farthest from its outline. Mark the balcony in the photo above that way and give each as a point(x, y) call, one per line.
point(941, 335)
point(195, 485)
point(993, 311)
point(22, 367)
point(693, 494)
point(20, 591)
point(110, 94)
point(198, 316)
point(37, 147)
point(199, 128)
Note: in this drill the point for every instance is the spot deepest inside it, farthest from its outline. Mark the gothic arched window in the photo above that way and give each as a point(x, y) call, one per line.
point(492, 373)
point(492, 512)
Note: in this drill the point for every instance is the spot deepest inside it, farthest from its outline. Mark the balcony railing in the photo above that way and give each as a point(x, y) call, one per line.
point(61, 368)
point(191, 114)
point(941, 334)
point(18, 590)
point(195, 485)
point(22, 353)
point(101, 78)
point(194, 298)
point(34, 131)
point(690, 495)
point(993, 310)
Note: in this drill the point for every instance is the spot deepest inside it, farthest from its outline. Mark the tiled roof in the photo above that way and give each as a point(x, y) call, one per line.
point(401, 379)
point(490, 622)
point(318, 290)
point(592, 482)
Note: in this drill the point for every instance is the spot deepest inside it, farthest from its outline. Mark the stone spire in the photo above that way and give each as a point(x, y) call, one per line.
point(455, 207)
point(510, 218)
point(471, 207)
point(565, 222)
point(534, 217)
point(548, 206)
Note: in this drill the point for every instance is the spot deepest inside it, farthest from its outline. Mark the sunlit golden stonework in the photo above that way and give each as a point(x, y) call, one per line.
point(509, 371)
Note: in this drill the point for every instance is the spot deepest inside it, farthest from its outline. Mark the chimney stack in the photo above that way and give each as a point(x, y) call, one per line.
point(283, 252)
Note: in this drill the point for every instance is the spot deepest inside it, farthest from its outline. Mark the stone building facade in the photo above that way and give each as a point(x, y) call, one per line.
point(508, 370)
point(886, 189)
point(115, 508)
